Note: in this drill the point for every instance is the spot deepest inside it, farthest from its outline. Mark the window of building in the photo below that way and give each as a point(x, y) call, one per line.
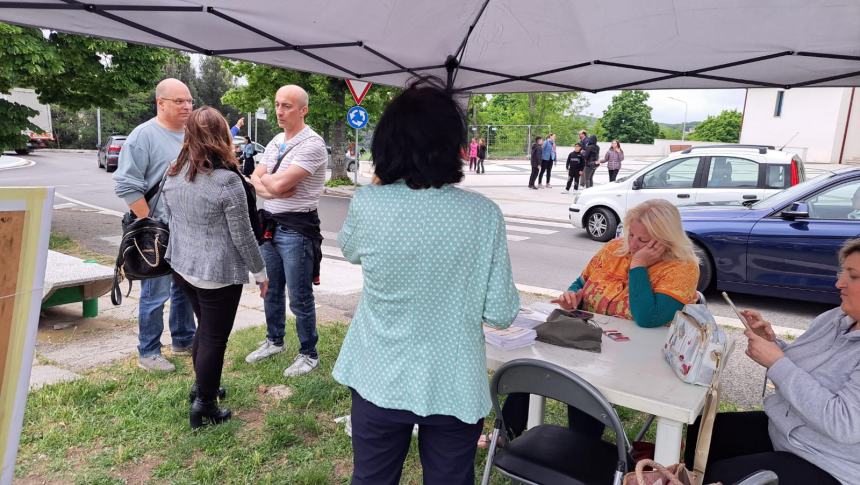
point(777, 110)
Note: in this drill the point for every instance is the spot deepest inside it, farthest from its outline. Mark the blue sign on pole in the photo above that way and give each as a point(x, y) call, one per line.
point(357, 117)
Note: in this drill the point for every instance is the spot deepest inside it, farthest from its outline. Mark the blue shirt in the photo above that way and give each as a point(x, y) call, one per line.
point(435, 264)
point(548, 150)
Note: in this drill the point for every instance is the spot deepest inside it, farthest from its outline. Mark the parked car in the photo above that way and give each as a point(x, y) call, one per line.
point(108, 156)
point(714, 173)
point(350, 161)
point(239, 145)
point(785, 245)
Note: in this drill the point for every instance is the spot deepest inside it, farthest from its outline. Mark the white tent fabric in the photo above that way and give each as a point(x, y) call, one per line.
point(497, 45)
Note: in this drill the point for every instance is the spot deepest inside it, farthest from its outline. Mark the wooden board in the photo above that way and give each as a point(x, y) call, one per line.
point(11, 236)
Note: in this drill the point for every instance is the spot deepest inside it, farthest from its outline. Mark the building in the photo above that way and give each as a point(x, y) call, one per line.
point(820, 124)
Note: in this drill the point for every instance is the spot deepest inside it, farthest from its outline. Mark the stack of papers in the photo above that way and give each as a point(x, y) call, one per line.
point(509, 338)
point(528, 318)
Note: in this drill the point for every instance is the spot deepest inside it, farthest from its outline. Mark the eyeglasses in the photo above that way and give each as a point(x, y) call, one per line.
point(180, 101)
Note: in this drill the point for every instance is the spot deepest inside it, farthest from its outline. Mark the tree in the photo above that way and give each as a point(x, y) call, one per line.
point(78, 72)
point(212, 82)
point(725, 127)
point(628, 119)
point(328, 102)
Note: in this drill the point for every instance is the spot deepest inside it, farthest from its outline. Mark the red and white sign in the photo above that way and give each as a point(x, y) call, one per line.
point(358, 89)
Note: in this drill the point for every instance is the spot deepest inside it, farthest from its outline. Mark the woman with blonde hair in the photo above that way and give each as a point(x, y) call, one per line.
point(645, 276)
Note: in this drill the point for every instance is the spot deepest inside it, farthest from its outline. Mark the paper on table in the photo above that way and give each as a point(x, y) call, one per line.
point(509, 338)
point(528, 318)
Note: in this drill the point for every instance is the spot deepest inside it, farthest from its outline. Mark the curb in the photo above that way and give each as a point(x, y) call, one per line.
point(15, 162)
point(67, 150)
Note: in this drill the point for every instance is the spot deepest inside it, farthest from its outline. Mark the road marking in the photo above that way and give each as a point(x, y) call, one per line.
point(538, 223)
point(532, 230)
point(512, 237)
point(67, 205)
point(103, 210)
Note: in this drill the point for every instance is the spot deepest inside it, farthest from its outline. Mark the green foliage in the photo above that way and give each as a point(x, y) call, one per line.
point(628, 119)
point(561, 111)
point(669, 133)
point(78, 72)
point(725, 127)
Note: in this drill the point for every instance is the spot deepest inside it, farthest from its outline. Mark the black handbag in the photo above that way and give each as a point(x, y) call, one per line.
point(141, 250)
point(254, 216)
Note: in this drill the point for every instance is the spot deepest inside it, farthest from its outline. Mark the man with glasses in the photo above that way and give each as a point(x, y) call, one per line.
point(145, 156)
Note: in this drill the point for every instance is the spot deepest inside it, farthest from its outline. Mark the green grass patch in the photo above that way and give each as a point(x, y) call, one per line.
point(341, 183)
point(121, 424)
point(63, 243)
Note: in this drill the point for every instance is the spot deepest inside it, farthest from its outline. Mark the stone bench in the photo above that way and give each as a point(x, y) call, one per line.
point(69, 280)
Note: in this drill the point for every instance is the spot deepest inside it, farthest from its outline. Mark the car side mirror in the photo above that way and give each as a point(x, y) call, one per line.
point(637, 184)
point(797, 210)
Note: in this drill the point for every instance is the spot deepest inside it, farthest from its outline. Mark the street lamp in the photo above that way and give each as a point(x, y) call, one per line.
point(684, 126)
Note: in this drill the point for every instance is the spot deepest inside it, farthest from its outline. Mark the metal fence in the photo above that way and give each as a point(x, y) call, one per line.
point(508, 141)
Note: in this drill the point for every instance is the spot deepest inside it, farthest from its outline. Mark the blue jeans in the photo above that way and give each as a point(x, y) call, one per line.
point(289, 259)
point(154, 292)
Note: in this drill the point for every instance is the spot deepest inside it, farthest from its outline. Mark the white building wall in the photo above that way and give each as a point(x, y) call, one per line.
point(851, 153)
point(809, 124)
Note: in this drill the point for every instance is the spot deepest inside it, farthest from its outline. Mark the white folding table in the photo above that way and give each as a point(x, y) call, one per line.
point(632, 374)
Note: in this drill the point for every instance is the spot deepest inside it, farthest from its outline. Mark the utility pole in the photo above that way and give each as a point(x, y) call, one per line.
point(684, 126)
point(98, 127)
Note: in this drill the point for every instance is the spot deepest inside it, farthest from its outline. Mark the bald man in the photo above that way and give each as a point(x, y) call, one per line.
point(144, 158)
point(290, 178)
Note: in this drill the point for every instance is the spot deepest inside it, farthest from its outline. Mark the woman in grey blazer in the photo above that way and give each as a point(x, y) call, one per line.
point(212, 248)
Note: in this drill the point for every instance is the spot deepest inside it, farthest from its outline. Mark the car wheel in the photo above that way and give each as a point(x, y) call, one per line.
point(601, 224)
point(350, 167)
point(706, 268)
point(99, 162)
point(110, 169)
point(22, 151)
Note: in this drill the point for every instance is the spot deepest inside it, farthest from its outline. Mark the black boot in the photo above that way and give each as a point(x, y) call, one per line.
point(207, 412)
point(192, 394)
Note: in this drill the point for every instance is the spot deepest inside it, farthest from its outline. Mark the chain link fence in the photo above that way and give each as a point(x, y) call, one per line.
point(508, 141)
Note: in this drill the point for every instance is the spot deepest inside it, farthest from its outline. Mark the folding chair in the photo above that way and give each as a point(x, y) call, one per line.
point(549, 453)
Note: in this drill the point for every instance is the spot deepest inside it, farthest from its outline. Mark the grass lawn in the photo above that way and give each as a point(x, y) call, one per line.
point(120, 424)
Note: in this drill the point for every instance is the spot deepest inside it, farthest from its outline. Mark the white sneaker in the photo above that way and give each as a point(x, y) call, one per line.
point(301, 365)
point(565, 191)
point(155, 362)
point(540, 186)
point(266, 349)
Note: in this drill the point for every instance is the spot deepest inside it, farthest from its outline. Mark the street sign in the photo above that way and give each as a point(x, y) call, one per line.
point(358, 89)
point(357, 117)
point(260, 114)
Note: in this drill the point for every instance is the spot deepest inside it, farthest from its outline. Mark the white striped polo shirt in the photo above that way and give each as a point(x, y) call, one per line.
point(306, 150)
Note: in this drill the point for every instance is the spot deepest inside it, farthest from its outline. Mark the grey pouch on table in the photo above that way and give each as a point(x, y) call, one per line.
point(565, 330)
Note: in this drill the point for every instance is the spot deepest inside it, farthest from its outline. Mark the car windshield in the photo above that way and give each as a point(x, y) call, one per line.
point(790, 194)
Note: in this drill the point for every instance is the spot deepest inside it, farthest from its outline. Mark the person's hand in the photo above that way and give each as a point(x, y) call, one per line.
point(569, 300)
point(650, 254)
point(240, 123)
point(764, 352)
point(759, 325)
point(264, 288)
point(580, 172)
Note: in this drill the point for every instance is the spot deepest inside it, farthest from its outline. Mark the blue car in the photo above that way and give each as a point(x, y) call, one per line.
point(785, 245)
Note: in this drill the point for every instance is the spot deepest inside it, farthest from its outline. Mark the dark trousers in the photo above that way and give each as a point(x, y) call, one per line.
point(215, 311)
point(515, 412)
point(588, 176)
point(613, 174)
point(572, 178)
point(472, 162)
point(534, 174)
point(545, 167)
point(740, 445)
point(480, 166)
point(381, 439)
point(248, 166)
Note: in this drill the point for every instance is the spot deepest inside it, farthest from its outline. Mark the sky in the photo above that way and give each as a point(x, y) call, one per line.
point(700, 103)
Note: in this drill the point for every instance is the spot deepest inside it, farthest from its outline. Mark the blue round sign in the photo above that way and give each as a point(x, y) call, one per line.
point(357, 117)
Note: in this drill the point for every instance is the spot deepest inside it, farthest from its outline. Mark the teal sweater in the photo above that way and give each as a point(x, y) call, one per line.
point(649, 309)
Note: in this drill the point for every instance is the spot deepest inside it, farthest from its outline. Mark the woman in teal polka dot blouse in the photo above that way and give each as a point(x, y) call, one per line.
point(414, 353)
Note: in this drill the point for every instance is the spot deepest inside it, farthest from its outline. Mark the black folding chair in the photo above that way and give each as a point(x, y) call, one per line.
point(549, 453)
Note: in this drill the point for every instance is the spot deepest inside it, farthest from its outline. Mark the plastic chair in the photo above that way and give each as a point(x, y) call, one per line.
point(550, 453)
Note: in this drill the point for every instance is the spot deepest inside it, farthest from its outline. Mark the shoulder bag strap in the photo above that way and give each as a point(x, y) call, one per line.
point(283, 155)
point(160, 186)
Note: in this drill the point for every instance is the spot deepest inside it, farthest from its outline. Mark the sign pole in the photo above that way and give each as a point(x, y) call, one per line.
point(356, 158)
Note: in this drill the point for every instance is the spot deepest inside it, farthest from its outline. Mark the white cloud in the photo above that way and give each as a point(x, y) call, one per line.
point(701, 103)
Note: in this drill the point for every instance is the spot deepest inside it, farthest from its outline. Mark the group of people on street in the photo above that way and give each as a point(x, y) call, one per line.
point(415, 352)
point(581, 163)
point(477, 154)
point(207, 203)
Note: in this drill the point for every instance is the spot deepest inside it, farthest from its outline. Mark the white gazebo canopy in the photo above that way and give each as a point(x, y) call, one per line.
point(496, 45)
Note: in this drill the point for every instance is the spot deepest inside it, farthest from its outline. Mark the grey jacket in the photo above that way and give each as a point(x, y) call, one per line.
point(815, 412)
point(210, 233)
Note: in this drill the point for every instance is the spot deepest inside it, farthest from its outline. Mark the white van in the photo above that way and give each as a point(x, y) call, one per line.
point(713, 173)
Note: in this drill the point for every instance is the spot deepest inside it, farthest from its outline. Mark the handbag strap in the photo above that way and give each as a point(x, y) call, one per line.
point(640, 472)
point(709, 414)
point(283, 155)
point(157, 196)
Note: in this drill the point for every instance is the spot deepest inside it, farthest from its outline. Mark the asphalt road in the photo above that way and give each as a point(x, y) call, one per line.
point(543, 254)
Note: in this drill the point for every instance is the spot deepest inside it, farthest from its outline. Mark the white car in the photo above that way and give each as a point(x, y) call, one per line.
point(714, 173)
